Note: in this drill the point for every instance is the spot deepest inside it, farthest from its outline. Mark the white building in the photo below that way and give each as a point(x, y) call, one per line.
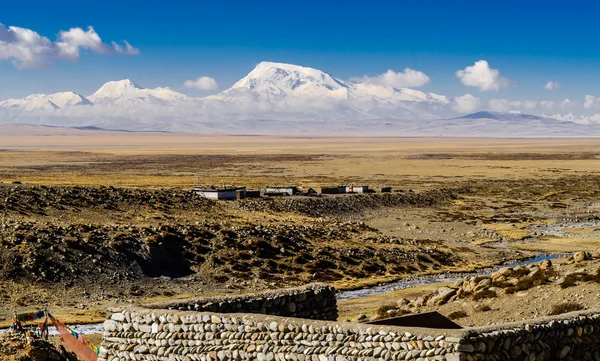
point(285, 190)
point(357, 189)
point(227, 193)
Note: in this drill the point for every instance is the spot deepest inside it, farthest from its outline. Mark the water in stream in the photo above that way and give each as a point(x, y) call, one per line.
point(410, 282)
point(405, 283)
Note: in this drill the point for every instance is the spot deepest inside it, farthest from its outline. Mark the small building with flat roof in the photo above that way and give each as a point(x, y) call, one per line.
point(281, 190)
point(221, 193)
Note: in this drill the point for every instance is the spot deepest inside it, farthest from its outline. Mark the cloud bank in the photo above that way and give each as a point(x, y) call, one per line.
point(466, 103)
point(407, 78)
point(27, 49)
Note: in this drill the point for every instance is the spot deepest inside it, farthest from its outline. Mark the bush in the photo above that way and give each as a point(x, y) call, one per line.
point(457, 314)
point(482, 308)
point(565, 307)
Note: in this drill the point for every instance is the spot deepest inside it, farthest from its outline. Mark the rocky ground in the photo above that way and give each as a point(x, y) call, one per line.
point(22, 349)
point(81, 249)
point(87, 247)
point(509, 294)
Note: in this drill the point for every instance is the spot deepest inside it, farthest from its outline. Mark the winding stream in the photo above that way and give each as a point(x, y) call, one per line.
point(408, 282)
point(415, 281)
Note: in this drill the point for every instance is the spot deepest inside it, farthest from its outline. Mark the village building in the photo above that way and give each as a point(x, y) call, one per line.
point(333, 190)
point(281, 190)
point(224, 193)
point(357, 189)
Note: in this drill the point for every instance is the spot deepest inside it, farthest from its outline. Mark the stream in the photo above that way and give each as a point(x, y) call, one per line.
point(408, 282)
point(415, 281)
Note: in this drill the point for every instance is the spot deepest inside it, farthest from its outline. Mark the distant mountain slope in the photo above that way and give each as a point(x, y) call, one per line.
point(126, 93)
point(501, 116)
point(277, 98)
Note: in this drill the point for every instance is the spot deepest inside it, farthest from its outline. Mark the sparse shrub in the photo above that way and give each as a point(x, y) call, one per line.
point(483, 308)
point(382, 311)
point(565, 307)
point(457, 314)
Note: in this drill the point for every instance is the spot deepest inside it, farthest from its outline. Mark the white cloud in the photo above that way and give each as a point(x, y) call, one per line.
point(407, 78)
point(551, 104)
point(503, 105)
point(552, 85)
point(580, 119)
point(127, 49)
point(591, 102)
point(202, 83)
point(26, 48)
point(466, 103)
point(482, 76)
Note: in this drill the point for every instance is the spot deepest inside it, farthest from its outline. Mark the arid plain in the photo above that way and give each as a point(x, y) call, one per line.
point(462, 204)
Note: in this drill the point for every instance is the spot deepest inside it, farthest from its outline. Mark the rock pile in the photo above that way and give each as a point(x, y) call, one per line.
point(332, 206)
point(315, 301)
point(504, 281)
point(285, 253)
point(43, 199)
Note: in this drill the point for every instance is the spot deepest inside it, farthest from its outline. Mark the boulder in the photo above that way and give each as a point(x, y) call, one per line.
point(442, 296)
point(580, 256)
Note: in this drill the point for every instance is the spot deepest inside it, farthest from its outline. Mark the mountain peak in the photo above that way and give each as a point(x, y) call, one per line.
point(270, 82)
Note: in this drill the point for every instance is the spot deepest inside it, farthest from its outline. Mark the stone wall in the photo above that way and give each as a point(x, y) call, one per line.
point(161, 335)
point(568, 337)
point(315, 301)
point(142, 334)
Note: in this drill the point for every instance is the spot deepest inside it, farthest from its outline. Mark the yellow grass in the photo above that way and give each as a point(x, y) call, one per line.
point(509, 231)
point(561, 244)
point(368, 305)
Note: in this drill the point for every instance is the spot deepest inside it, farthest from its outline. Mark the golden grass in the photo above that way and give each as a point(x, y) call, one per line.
point(582, 231)
point(78, 160)
point(560, 244)
point(510, 232)
point(368, 305)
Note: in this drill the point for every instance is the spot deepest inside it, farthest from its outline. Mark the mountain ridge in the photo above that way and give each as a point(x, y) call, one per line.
point(300, 99)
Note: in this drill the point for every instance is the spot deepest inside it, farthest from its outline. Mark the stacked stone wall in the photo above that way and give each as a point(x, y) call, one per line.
point(315, 301)
point(161, 335)
point(169, 335)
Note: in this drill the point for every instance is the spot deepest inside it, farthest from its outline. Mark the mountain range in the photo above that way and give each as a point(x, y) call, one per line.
point(276, 98)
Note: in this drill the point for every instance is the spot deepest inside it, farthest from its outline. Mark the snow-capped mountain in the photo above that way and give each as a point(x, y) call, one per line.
point(276, 98)
point(126, 93)
point(46, 101)
point(292, 87)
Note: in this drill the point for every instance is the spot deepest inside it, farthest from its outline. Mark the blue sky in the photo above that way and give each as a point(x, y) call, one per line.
point(529, 43)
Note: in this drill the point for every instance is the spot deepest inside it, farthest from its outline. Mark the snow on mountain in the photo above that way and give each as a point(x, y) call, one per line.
point(287, 86)
point(126, 93)
point(37, 102)
point(30, 103)
point(276, 98)
point(272, 82)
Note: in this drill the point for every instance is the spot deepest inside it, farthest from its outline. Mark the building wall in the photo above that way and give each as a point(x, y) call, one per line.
point(357, 189)
point(289, 191)
point(315, 301)
point(224, 195)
